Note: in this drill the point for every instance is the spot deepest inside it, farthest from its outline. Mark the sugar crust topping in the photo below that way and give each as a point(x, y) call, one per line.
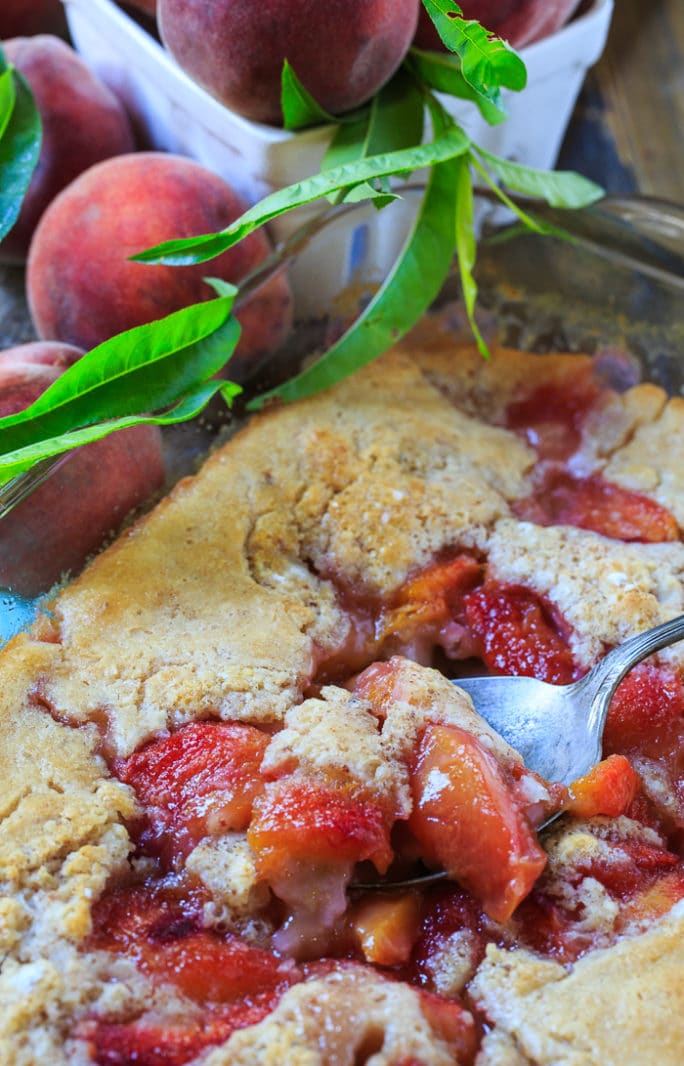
point(219, 604)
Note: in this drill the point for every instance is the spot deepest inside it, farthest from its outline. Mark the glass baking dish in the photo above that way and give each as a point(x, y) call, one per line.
point(614, 291)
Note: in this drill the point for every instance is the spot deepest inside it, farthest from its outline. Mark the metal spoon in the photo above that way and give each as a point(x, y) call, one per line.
point(556, 728)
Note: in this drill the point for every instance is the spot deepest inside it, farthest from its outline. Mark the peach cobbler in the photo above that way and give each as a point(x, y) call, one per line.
point(243, 710)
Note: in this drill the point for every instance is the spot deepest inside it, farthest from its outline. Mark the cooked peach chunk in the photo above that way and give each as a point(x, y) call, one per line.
point(224, 983)
point(466, 818)
point(318, 823)
point(386, 927)
point(432, 597)
point(200, 781)
point(551, 416)
point(592, 503)
point(307, 837)
point(516, 633)
point(167, 939)
point(169, 1042)
point(646, 714)
point(608, 789)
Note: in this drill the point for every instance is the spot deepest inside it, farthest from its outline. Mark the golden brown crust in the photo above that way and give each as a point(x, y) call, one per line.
point(60, 834)
point(605, 590)
point(61, 840)
point(485, 388)
point(211, 605)
point(220, 603)
point(169, 624)
point(333, 1020)
point(620, 1007)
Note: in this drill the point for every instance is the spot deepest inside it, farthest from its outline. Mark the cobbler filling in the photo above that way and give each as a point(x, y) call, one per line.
point(226, 983)
point(551, 418)
point(592, 503)
point(200, 781)
point(473, 813)
point(551, 421)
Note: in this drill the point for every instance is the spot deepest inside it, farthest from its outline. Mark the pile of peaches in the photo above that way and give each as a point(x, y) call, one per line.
point(94, 200)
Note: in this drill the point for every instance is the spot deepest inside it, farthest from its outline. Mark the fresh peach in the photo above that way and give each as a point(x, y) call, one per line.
point(60, 523)
point(28, 369)
point(25, 17)
point(83, 123)
point(82, 287)
point(341, 50)
point(520, 22)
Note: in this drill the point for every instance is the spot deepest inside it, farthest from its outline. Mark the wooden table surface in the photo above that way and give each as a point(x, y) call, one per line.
point(628, 128)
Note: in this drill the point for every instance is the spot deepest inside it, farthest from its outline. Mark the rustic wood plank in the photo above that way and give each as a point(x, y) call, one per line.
point(628, 129)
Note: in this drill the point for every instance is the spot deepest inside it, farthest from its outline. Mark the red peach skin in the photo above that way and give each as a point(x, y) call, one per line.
point(341, 50)
point(25, 17)
point(467, 819)
point(520, 22)
point(82, 287)
point(83, 123)
point(68, 516)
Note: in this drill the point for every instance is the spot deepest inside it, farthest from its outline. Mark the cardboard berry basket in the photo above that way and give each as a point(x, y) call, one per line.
point(174, 114)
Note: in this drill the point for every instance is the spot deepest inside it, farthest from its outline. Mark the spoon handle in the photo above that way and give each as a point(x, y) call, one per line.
point(609, 672)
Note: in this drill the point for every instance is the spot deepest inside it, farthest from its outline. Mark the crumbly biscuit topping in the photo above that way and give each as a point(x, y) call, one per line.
point(337, 1020)
point(220, 605)
point(607, 591)
point(613, 1008)
point(649, 461)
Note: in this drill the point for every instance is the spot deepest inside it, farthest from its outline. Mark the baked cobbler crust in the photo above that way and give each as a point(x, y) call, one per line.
point(222, 605)
point(616, 1006)
point(313, 490)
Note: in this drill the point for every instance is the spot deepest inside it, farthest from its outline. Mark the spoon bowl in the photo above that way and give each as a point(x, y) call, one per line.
point(557, 729)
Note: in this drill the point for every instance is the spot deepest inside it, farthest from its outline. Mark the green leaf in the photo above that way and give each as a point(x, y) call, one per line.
point(298, 105)
point(529, 221)
point(366, 191)
point(19, 150)
point(394, 121)
point(487, 62)
point(300, 109)
point(144, 369)
point(396, 117)
point(347, 144)
point(443, 74)
point(560, 188)
point(224, 288)
point(447, 146)
point(22, 459)
point(412, 285)
point(466, 245)
point(7, 98)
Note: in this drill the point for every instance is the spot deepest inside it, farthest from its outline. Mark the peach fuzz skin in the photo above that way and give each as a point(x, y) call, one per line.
point(343, 51)
point(66, 518)
point(82, 287)
point(520, 22)
point(83, 123)
point(24, 17)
